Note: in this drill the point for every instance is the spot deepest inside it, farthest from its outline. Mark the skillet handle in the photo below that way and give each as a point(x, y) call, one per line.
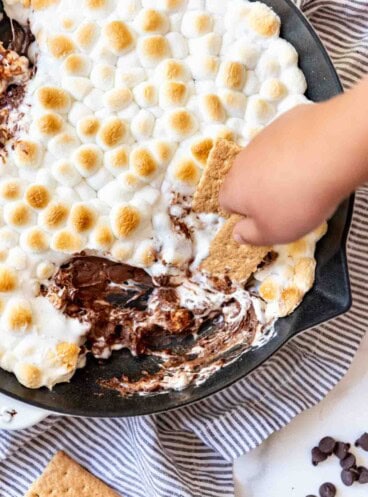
point(15, 415)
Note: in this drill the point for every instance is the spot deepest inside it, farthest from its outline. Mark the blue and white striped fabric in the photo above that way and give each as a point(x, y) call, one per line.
point(189, 453)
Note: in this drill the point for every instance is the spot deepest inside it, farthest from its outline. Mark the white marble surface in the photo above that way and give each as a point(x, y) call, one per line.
point(281, 467)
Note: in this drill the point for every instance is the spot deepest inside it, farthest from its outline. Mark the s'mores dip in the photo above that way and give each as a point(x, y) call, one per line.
point(127, 116)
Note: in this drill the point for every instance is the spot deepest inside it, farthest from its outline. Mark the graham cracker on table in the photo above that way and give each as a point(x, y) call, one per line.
point(229, 258)
point(220, 161)
point(64, 477)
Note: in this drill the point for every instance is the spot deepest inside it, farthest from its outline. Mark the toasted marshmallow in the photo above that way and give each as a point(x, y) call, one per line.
point(181, 124)
point(102, 236)
point(163, 151)
point(143, 163)
point(211, 108)
point(47, 125)
point(35, 240)
point(69, 23)
point(259, 111)
point(10, 190)
point(130, 182)
point(145, 254)
point(17, 214)
point(117, 99)
point(187, 172)
point(88, 159)
point(232, 75)
point(63, 144)
point(170, 5)
point(273, 89)
point(82, 217)
point(87, 128)
point(65, 173)
point(60, 46)
point(77, 65)
point(37, 196)
point(67, 242)
point(103, 76)
point(234, 102)
point(53, 98)
point(8, 279)
point(54, 216)
point(196, 23)
point(152, 50)
point(150, 21)
point(172, 70)
point(263, 20)
point(77, 86)
point(18, 316)
point(45, 270)
point(142, 125)
point(112, 133)
point(27, 154)
point(178, 45)
point(122, 251)
point(209, 44)
point(173, 94)
point(117, 160)
point(203, 67)
point(125, 220)
point(129, 78)
point(28, 375)
point(86, 35)
point(118, 37)
point(201, 149)
point(98, 9)
point(294, 80)
point(146, 95)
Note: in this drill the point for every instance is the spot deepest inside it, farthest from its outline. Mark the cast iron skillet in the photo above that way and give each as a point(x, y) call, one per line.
point(329, 297)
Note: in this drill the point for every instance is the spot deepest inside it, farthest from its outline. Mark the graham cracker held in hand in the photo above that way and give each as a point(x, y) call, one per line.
point(227, 257)
point(220, 161)
point(63, 477)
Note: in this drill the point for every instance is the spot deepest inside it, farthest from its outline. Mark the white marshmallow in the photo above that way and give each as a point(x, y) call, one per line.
point(259, 111)
point(209, 44)
point(234, 102)
point(203, 67)
point(196, 23)
point(146, 95)
point(178, 45)
point(78, 87)
point(77, 112)
point(63, 145)
point(246, 52)
point(142, 125)
point(98, 180)
point(65, 173)
point(103, 76)
point(113, 193)
point(130, 78)
point(294, 80)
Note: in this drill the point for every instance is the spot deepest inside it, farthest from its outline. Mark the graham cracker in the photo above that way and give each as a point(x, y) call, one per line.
point(220, 161)
point(64, 477)
point(229, 258)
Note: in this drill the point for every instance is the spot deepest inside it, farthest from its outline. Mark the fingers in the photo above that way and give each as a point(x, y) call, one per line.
point(247, 231)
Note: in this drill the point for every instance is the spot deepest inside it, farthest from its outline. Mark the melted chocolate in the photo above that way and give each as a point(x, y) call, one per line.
point(126, 308)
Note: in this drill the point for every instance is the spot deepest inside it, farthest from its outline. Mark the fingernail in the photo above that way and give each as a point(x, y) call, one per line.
point(238, 238)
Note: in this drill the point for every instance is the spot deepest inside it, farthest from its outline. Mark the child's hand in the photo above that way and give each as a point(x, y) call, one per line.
point(293, 175)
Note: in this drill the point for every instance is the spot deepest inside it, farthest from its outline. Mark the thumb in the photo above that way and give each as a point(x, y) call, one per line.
point(247, 231)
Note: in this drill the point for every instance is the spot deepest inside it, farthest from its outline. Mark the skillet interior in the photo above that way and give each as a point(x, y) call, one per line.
point(329, 297)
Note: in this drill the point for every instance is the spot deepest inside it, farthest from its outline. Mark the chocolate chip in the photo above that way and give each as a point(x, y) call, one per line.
point(348, 462)
point(327, 445)
point(327, 490)
point(318, 456)
point(349, 476)
point(362, 442)
point(341, 450)
point(363, 474)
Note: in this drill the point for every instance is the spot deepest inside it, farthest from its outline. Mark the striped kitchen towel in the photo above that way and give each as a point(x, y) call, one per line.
point(189, 453)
